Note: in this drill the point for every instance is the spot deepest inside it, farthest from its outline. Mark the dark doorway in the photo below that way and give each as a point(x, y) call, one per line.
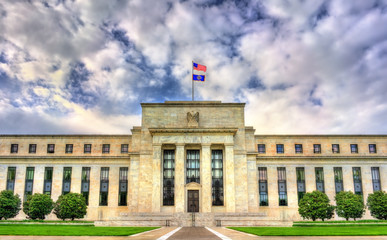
point(193, 200)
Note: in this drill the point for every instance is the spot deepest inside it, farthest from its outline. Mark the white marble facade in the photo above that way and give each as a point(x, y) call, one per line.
point(204, 127)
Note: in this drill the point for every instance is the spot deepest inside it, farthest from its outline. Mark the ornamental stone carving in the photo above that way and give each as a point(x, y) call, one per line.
point(193, 119)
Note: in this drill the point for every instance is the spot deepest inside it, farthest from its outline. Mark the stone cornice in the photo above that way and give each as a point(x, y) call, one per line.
point(320, 135)
point(193, 130)
point(193, 103)
point(65, 157)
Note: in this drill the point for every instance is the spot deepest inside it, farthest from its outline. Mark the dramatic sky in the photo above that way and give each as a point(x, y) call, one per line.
point(301, 67)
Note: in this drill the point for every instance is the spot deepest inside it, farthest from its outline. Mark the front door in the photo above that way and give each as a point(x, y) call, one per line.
point(193, 201)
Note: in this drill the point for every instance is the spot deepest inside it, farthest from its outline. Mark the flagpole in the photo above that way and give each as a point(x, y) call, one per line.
point(193, 91)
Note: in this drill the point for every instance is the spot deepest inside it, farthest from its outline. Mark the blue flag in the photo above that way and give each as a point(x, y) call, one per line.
point(198, 77)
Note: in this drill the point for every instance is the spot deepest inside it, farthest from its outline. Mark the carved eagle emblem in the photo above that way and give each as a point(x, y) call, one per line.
point(193, 117)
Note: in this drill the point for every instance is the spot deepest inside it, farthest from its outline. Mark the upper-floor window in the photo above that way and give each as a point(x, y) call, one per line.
point(298, 148)
point(69, 148)
point(87, 148)
point(14, 148)
point(335, 148)
point(280, 148)
point(261, 148)
point(32, 148)
point(124, 148)
point(50, 148)
point(353, 148)
point(105, 148)
point(372, 148)
point(317, 148)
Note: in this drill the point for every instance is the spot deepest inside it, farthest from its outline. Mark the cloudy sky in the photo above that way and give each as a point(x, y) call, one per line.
point(302, 67)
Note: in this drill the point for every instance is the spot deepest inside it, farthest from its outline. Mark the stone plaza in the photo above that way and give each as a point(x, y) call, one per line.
point(192, 157)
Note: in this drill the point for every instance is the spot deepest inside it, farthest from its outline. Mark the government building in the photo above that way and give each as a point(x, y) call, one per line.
point(192, 163)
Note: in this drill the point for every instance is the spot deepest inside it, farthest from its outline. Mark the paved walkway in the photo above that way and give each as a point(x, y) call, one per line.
point(189, 234)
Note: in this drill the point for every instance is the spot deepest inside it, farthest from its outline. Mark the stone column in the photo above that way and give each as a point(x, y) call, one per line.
point(113, 186)
point(348, 178)
point(329, 182)
point(38, 179)
point(20, 180)
point(252, 184)
point(3, 177)
point(310, 179)
point(95, 173)
point(383, 177)
point(366, 179)
point(272, 186)
point(179, 178)
point(76, 178)
point(156, 193)
point(206, 178)
point(291, 184)
point(57, 180)
point(230, 178)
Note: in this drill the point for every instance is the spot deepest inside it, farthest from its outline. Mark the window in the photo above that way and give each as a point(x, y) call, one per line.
point(263, 196)
point(29, 182)
point(372, 148)
point(261, 148)
point(105, 148)
point(104, 189)
point(169, 178)
point(50, 148)
point(320, 179)
point(85, 183)
point(14, 148)
point(11, 176)
point(69, 148)
point(335, 148)
point(338, 172)
point(353, 148)
point(217, 177)
point(317, 148)
point(282, 192)
point(87, 148)
point(32, 148)
point(47, 180)
point(123, 193)
point(357, 180)
point(300, 173)
point(124, 148)
point(193, 166)
point(375, 178)
point(66, 180)
point(298, 148)
point(280, 148)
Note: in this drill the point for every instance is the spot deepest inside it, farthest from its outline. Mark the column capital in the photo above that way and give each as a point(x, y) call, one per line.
point(179, 144)
point(206, 144)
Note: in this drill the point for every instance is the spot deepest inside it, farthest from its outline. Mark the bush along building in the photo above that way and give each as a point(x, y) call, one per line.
point(192, 157)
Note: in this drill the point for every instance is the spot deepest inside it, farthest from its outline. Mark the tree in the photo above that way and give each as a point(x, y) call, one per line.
point(38, 206)
point(71, 205)
point(349, 205)
point(377, 204)
point(315, 205)
point(9, 204)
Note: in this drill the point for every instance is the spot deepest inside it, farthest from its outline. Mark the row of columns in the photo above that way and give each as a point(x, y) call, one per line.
point(205, 178)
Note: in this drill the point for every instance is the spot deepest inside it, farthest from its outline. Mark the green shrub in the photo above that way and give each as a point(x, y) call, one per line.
point(349, 205)
point(9, 204)
point(38, 206)
point(71, 205)
point(315, 205)
point(377, 204)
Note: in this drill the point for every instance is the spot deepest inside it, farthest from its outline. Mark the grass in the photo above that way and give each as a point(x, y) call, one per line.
point(69, 230)
point(362, 230)
point(46, 221)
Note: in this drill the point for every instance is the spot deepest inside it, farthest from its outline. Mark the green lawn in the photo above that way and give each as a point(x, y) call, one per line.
point(69, 230)
point(315, 231)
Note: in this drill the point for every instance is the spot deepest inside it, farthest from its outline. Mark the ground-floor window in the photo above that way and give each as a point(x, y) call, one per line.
point(85, 188)
point(357, 180)
point(320, 179)
point(11, 176)
point(300, 173)
point(193, 166)
point(263, 196)
point(217, 177)
point(169, 178)
point(29, 182)
point(47, 180)
point(375, 178)
point(104, 188)
point(123, 193)
point(338, 172)
point(282, 191)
